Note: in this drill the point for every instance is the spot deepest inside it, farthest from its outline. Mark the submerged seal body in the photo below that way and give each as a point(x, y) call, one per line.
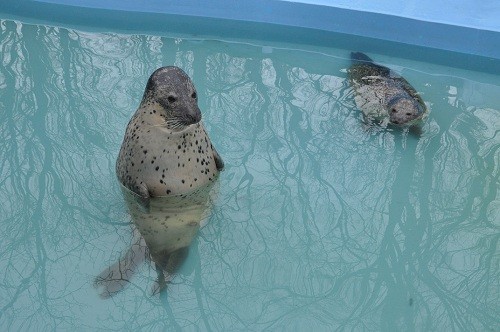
point(382, 95)
point(161, 236)
point(167, 167)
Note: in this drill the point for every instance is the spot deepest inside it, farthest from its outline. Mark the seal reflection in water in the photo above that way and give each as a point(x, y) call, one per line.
point(384, 96)
point(167, 167)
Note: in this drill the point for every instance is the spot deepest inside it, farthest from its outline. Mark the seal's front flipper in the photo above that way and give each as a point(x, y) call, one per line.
point(117, 276)
point(136, 192)
point(219, 163)
point(143, 197)
point(144, 204)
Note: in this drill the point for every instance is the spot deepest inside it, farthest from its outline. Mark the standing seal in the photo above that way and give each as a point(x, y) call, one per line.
point(166, 150)
point(384, 96)
point(167, 167)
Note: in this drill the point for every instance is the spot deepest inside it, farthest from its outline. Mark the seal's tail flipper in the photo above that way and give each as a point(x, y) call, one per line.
point(360, 57)
point(167, 266)
point(117, 276)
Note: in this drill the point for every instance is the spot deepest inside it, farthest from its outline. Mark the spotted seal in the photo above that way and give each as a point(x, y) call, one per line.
point(166, 149)
point(382, 95)
point(168, 168)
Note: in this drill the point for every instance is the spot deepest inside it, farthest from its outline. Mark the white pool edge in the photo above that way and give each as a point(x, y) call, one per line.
point(358, 18)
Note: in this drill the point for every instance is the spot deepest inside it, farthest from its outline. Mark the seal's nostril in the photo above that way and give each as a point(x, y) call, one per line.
point(197, 115)
point(192, 118)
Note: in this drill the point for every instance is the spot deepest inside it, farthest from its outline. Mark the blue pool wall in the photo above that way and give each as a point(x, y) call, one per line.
point(420, 30)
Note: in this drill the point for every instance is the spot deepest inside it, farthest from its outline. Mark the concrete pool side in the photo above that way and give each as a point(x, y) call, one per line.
point(468, 30)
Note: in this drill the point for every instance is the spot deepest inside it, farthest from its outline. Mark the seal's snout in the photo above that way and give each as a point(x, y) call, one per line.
point(194, 116)
point(197, 117)
point(404, 111)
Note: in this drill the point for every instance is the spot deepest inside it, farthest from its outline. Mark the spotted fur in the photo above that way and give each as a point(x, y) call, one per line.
point(166, 149)
point(382, 95)
point(168, 165)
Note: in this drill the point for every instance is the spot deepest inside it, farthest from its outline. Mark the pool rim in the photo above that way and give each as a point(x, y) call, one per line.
point(274, 20)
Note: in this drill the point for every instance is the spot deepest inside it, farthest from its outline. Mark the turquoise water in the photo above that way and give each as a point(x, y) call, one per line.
point(320, 222)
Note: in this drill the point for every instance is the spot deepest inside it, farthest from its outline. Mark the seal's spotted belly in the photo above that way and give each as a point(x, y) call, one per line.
point(170, 163)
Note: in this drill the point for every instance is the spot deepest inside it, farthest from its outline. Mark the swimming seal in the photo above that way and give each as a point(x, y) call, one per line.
point(167, 167)
point(383, 95)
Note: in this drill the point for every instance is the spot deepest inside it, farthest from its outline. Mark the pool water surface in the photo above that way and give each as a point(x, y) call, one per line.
point(320, 222)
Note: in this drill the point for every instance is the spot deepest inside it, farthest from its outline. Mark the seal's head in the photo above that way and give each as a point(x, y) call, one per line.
point(172, 89)
point(404, 110)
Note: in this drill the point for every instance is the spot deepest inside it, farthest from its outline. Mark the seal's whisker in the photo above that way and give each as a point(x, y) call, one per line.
point(174, 124)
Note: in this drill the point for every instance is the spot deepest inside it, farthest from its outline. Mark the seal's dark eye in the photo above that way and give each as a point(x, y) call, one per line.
point(393, 110)
point(193, 95)
point(171, 99)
